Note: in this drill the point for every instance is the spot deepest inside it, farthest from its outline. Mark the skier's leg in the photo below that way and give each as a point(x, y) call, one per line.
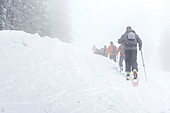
point(134, 60)
point(120, 63)
point(110, 57)
point(123, 60)
point(127, 61)
point(114, 58)
point(134, 63)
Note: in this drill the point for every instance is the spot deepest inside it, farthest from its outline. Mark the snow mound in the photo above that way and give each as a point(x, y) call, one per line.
point(44, 75)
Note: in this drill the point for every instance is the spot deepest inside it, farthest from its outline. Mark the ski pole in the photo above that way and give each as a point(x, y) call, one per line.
point(143, 65)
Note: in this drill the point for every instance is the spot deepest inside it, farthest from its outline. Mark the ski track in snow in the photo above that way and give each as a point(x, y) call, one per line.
point(43, 75)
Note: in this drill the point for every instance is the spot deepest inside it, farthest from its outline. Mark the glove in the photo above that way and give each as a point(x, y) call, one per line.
point(140, 49)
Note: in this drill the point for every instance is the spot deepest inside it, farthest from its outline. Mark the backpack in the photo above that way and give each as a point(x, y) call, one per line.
point(131, 39)
point(122, 50)
point(114, 50)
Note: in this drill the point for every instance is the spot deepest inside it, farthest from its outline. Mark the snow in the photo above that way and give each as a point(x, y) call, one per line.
point(44, 75)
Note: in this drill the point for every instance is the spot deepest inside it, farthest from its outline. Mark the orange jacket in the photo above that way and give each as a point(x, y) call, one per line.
point(110, 49)
point(118, 50)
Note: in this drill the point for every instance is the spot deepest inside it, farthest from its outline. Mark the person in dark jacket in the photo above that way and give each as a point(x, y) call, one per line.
point(130, 39)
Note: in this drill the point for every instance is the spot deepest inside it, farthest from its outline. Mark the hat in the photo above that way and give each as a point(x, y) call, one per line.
point(128, 28)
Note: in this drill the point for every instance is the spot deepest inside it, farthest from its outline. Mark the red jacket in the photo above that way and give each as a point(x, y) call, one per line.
point(118, 50)
point(110, 49)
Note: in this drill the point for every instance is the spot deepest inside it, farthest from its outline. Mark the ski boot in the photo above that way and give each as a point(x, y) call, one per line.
point(135, 75)
point(128, 76)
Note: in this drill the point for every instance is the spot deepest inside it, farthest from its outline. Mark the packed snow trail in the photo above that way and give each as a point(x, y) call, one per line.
point(44, 75)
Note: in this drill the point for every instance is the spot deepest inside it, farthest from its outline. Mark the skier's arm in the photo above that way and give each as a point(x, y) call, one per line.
point(121, 40)
point(139, 42)
point(118, 49)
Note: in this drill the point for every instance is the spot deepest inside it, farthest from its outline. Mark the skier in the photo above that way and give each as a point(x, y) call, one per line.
point(122, 56)
point(130, 39)
point(105, 48)
point(112, 51)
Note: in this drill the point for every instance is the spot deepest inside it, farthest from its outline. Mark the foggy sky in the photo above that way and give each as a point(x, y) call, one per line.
point(100, 21)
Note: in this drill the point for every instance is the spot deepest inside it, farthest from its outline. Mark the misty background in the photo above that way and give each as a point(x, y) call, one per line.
point(45, 17)
point(101, 21)
point(88, 22)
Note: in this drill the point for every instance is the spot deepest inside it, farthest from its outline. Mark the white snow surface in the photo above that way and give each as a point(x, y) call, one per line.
point(45, 75)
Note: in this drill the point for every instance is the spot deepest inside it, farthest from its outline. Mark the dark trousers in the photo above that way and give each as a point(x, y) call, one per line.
point(113, 57)
point(131, 60)
point(121, 62)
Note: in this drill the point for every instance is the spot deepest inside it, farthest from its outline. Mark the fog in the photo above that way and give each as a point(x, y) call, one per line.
point(60, 20)
point(101, 21)
point(164, 49)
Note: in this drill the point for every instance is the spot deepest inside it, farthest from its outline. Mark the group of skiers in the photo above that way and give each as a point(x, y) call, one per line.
point(100, 51)
point(113, 51)
point(128, 52)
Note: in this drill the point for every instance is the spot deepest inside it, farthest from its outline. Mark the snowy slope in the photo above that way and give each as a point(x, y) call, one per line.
point(44, 75)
